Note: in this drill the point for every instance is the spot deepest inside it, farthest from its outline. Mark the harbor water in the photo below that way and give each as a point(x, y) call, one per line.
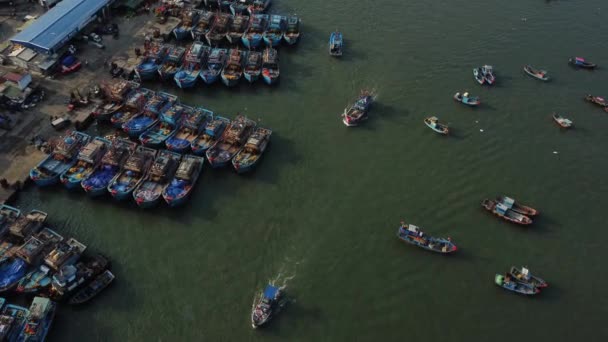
point(321, 211)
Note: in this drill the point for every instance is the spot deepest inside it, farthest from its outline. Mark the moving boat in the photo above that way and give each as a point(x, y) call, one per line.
point(8, 216)
point(71, 278)
point(435, 125)
point(115, 95)
point(562, 121)
point(276, 29)
point(267, 306)
point(88, 158)
point(507, 283)
point(505, 213)
point(516, 207)
point(219, 29)
point(270, 66)
point(193, 121)
point(195, 59)
point(203, 26)
point(185, 179)
point(536, 73)
point(38, 322)
point(413, 235)
point(357, 113)
point(111, 164)
point(211, 133)
point(60, 160)
point(148, 193)
point(156, 106)
point(292, 32)
point(65, 253)
point(12, 322)
point(232, 73)
point(580, 62)
point(254, 33)
point(215, 64)
point(134, 105)
point(11, 271)
point(466, 99)
point(479, 77)
point(27, 225)
point(238, 7)
point(253, 66)
point(237, 28)
point(147, 69)
point(524, 276)
point(172, 64)
point(93, 288)
point(35, 281)
point(254, 148)
point(488, 74)
point(184, 29)
point(135, 170)
point(258, 6)
point(335, 44)
point(598, 100)
point(231, 142)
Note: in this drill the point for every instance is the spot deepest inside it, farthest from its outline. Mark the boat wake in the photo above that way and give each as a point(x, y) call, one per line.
point(281, 281)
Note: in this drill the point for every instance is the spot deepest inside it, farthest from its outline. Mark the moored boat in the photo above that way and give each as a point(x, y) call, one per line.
point(505, 213)
point(148, 193)
point(270, 66)
point(182, 184)
point(434, 124)
point(267, 306)
point(96, 184)
point(71, 278)
point(215, 64)
point(413, 235)
point(358, 112)
point(232, 73)
point(238, 7)
point(580, 62)
point(11, 271)
point(160, 103)
point(37, 246)
point(258, 6)
point(253, 66)
point(488, 74)
point(231, 142)
point(65, 253)
point(479, 76)
point(210, 134)
point(336, 43)
point(115, 95)
point(133, 106)
point(93, 288)
point(292, 32)
point(205, 21)
point(516, 207)
point(536, 73)
point(276, 29)
point(38, 322)
point(193, 121)
point(24, 226)
point(562, 121)
point(466, 99)
point(60, 160)
point(133, 173)
point(12, 321)
point(155, 55)
point(219, 29)
point(507, 283)
point(172, 63)
point(165, 128)
point(524, 276)
point(237, 28)
point(35, 281)
point(189, 20)
point(254, 33)
point(251, 154)
point(195, 59)
point(88, 159)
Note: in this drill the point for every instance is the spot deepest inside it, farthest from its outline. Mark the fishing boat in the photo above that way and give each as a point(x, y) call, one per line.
point(562, 121)
point(232, 73)
point(60, 160)
point(215, 64)
point(237, 28)
point(488, 74)
point(435, 125)
point(133, 173)
point(466, 99)
point(195, 59)
point(88, 158)
point(148, 193)
point(267, 306)
point(335, 44)
point(524, 276)
point(35, 281)
point(254, 148)
point(7, 250)
point(231, 142)
point(536, 73)
point(24, 226)
point(12, 321)
point(219, 29)
point(166, 127)
point(8, 216)
point(254, 34)
point(270, 66)
point(189, 20)
point(133, 106)
point(276, 29)
point(580, 62)
point(210, 134)
point(182, 184)
point(85, 294)
point(37, 246)
point(193, 121)
point(172, 64)
point(65, 253)
point(160, 103)
point(292, 32)
point(205, 21)
point(115, 95)
point(598, 100)
point(413, 235)
point(71, 278)
point(507, 283)
point(253, 66)
point(358, 112)
point(96, 184)
point(479, 77)
point(238, 7)
point(147, 69)
point(258, 6)
point(11, 271)
point(505, 213)
point(511, 204)
point(38, 322)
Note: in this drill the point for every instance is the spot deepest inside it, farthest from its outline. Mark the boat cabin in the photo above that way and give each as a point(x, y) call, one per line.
point(65, 253)
point(67, 147)
point(508, 202)
point(135, 163)
point(28, 225)
point(115, 155)
point(187, 169)
point(91, 151)
point(161, 168)
point(501, 209)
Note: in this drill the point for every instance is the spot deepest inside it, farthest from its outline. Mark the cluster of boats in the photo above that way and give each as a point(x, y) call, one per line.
point(484, 75)
point(520, 281)
point(510, 210)
point(18, 323)
point(238, 6)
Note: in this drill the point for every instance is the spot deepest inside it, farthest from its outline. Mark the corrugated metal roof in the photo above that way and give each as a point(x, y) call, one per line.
point(59, 24)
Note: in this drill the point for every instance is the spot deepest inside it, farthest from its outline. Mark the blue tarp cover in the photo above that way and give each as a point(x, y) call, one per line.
point(270, 292)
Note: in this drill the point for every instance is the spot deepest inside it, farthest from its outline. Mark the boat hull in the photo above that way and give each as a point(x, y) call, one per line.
point(70, 184)
point(42, 182)
point(121, 195)
point(209, 78)
point(270, 80)
point(272, 41)
point(181, 34)
point(251, 78)
point(95, 192)
point(230, 82)
point(147, 204)
point(251, 42)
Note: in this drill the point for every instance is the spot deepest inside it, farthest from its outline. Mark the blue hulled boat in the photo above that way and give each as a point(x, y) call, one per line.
point(116, 93)
point(164, 128)
point(193, 120)
point(335, 44)
point(237, 28)
point(11, 271)
point(240, 6)
point(276, 30)
point(231, 142)
point(292, 33)
point(35, 281)
point(252, 153)
point(148, 193)
point(254, 34)
point(158, 104)
point(173, 114)
point(434, 124)
point(111, 163)
point(258, 6)
point(184, 29)
point(188, 172)
point(147, 69)
point(210, 134)
point(215, 64)
point(172, 64)
point(12, 321)
point(205, 21)
point(219, 29)
point(135, 170)
point(466, 99)
point(60, 160)
point(195, 59)
point(38, 322)
point(88, 158)
point(232, 73)
point(134, 105)
point(253, 66)
point(413, 235)
point(270, 66)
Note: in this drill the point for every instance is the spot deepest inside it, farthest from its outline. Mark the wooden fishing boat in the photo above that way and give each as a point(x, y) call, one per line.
point(336, 43)
point(511, 204)
point(488, 74)
point(25, 226)
point(237, 28)
point(505, 213)
point(38, 322)
point(253, 66)
point(413, 235)
point(598, 100)
point(96, 184)
point(88, 159)
point(507, 283)
point(188, 173)
point(231, 142)
point(134, 104)
point(12, 322)
point(466, 99)
point(358, 112)
point(135, 170)
point(194, 61)
point(524, 276)
point(61, 159)
point(173, 114)
point(100, 283)
point(258, 6)
point(193, 121)
point(232, 73)
point(37, 246)
point(8, 216)
point(562, 121)
point(205, 21)
point(580, 62)
point(434, 124)
point(148, 193)
point(65, 253)
point(35, 281)
point(267, 306)
point(72, 278)
point(254, 33)
point(172, 64)
point(165, 128)
point(536, 73)
point(276, 29)
point(147, 69)
point(160, 103)
point(479, 76)
point(292, 32)
point(115, 95)
point(270, 66)
point(189, 20)
point(11, 271)
point(215, 64)
point(251, 154)
point(210, 134)
point(219, 29)
point(238, 7)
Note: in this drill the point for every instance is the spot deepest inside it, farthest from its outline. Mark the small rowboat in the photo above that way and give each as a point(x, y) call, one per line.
point(598, 100)
point(505, 213)
point(335, 44)
point(433, 123)
point(507, 283)
point(488, 73)
point(580, 62)
point(479, 76)
point(562, 122)
point(524, 276)
point(517, 207)
point(467, 100)
point(413, 235)
point(538, 74)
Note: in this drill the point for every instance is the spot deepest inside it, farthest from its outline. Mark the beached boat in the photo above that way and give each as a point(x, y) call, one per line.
point(267, 306)
point(88, 159)
point(12, 321)
point(215, 64)
point(189, 20)
point(134, 105)
point(251, 154)
point(38, 322)
point(270, 66)
point(111, 164)
point(193, 121)
point(115, 94)
point(160, 103)
point(356, 113)
point(210, 134)
point(507, 283)
point(562, 121)
point(237, 28)
point(479, 77)
point(413, 235)
point(258, 6)
point(598, 100)
point(11, 271)
point(488, 74)
point(93, 288)
point(205, 21)
point(195, 60)
point(524, 276)
point(133, 173)
point(218, 31)
point(231, 142)
point(36, 247)
point(466, 99)
point(253, 66)
point(254, 34)
point(60, 160)
point(155, 56)
point(65, 253)
point(71, 278)
point(232, 73)
point(505, 213)
point(172, 64)
point(35, 281)
point(434, 124)
point(580, 62)
point(186, 176)
point(336, 43)
point(292, 32)
point(275, 31)
point(8, 216)
point(536, 73)
point(516, 207)
point(148, 193)
point(27, 225)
